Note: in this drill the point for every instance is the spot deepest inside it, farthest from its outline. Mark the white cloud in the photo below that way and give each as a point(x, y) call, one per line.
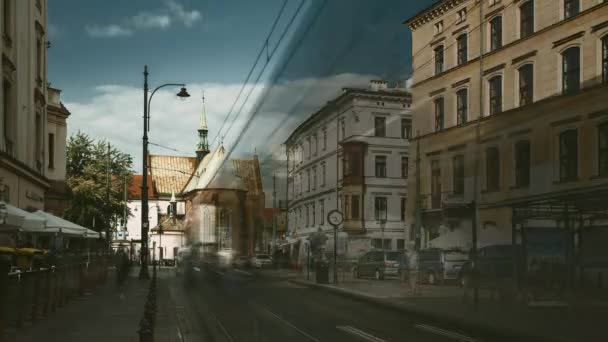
point(408, 83)
point(108, 31)
point(162, 18)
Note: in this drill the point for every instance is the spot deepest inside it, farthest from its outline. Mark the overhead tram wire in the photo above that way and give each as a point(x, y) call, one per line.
point(264, 47)
point(275, 76)
point(292, 20)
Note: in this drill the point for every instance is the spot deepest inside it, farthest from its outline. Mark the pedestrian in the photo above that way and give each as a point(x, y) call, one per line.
point(403, 269)
point(412, 271)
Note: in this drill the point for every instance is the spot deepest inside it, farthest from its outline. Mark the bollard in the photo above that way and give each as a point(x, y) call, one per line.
point(145, 331)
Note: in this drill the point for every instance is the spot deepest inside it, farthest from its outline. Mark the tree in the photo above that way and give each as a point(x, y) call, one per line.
point(88, 167)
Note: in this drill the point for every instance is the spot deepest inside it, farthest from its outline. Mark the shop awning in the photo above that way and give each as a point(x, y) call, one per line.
point(56, 224)
point(23, 220)
point(91, 234)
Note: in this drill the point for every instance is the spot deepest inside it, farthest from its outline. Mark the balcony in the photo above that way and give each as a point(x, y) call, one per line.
point(353, 226)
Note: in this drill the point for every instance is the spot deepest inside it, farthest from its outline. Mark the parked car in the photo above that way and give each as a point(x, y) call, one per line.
point(241, 261)
point(378, 264)
point(494, 263)
point(438, 265)
point(261, 261)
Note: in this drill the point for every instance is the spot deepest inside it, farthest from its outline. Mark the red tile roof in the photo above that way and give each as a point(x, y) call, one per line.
point(135, 187)
point(171, 173)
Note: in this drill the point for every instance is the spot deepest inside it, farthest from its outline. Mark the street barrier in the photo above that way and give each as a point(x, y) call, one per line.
point(33, 294)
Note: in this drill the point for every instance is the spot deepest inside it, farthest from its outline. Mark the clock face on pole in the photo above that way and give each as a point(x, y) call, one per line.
point(334, 217)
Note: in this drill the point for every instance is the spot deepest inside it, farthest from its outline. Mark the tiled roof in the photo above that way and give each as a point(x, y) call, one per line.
point(171, 173)
point(135, 187)
point(249, 171)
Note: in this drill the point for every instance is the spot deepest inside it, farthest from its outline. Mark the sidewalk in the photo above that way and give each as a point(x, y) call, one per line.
point(102, 314)
point(448, 304)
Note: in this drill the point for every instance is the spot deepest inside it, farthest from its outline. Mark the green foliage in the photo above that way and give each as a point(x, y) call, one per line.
point(88, 167)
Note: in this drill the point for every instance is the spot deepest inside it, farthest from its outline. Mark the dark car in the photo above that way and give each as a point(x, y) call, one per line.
point(378, 265)
point(438, 265)
point(494, 263)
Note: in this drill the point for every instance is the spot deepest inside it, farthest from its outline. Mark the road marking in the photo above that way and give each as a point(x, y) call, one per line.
point(446, 333)
point(359, 333)
point(303, 333)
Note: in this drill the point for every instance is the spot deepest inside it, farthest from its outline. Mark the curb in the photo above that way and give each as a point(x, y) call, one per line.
point(459, 322)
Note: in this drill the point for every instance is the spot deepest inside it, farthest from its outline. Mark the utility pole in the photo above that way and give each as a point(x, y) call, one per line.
point(108, 212)
point(337, 198)
point(476, 198)
point(417, 213)
point(143, 270)
point(274, 212)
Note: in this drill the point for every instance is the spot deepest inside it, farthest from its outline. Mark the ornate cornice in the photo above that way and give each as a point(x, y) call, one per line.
point(432, 12)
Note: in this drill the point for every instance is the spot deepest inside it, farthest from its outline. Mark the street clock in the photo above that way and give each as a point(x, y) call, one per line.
point(334, 217)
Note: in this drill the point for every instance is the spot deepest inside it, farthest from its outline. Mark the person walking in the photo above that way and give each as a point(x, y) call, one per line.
point(412, 271)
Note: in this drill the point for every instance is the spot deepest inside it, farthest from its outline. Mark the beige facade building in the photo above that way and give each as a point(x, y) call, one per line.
point(24, 99)
point(537, 161)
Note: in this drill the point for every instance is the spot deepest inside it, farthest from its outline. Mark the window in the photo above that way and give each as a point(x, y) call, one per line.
point(496, 33)
point(438, 27)
point(323, 174)
point(346, 165)
point(315, 140)
point(462, 49)
point(492, 169)
point(403, 204)
point(39, 59)
point(495, 95)
point(380, 126)
point(526, 84)
point(324, 139)
point(400, 244)
point(6, 18)
point(439, 59)
point(603, 149)
point(461, 15)
point(309, 148)
point(343, 128)
point(404, 166)
point(462, 106)
point(314, 178)
point(458, 174)
point(605, 59)
point(381, 166)
point(39, 141)
point(380, 208)
point(435, 184)
point(522, 164)
point(526, 19)
point(314, 213)
point(51, 150)
point(322, 208)
point(571, 70)
point(308, 180)
point(571, 8)
point(9, 118)
point(568, 155)
point(439, 114)
point(406, 128)
point(377, 243)
point(307, 216)
point(354, 211)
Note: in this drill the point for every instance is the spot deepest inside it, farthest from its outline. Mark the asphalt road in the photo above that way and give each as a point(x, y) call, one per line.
point(230, 306)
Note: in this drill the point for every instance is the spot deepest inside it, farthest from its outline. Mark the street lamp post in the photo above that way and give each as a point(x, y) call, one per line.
point(143, 271)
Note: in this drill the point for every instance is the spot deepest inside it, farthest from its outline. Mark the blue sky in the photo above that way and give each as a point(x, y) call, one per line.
point(99, 49)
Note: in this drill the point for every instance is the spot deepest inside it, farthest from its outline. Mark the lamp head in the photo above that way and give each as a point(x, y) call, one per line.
point(183, 93)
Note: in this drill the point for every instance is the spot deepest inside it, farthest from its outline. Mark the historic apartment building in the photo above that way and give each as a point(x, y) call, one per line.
point(539, 153)
point(23, 98)
point(352, 154)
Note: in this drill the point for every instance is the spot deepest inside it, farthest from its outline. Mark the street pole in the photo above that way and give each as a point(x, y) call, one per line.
point(418, 215)
point(274, 212)
point(108, 168)
point(337, 198)
point(143, 271)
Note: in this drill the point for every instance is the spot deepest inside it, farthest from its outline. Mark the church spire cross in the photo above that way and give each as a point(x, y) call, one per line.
point(203, 120)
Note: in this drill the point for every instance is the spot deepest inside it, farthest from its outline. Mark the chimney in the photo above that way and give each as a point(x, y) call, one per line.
point(378, 85)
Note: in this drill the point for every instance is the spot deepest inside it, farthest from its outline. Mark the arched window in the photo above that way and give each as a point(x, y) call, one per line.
point(439, 59)
point(462, 106)
point(526, 19)
point(225, 231)
point(495, 96)
point(496, 33)
point(526, 84)
point(462, 45)
point(439, 114)
point(571, 69)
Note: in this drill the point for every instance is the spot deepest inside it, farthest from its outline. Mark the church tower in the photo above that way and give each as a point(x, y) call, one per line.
point(202, 148)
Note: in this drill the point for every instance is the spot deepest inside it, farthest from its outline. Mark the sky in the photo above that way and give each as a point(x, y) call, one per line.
point(99, 49)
